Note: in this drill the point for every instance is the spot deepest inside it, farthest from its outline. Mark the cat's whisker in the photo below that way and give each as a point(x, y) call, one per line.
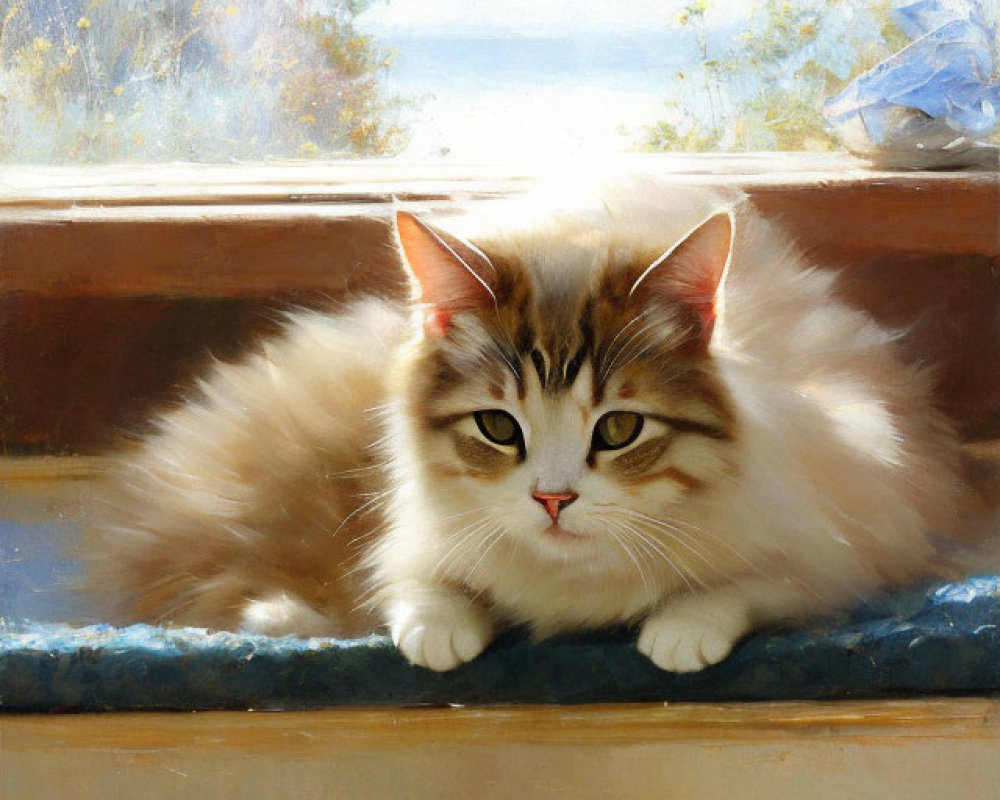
point(698, 534)
point(637, 345)
point(462, 537)
point(368, 598)
point(667, 555)
point(511, 551)
point(382, 408)
point(370, 469)
point(507, 340)
point(371, 505)
point(622, 541)
point(689, 540)
point(505, 356)
point(658, 545)
point(626, 346)
point(637, 318)
point(493, 538)
point(676, 526)
point(459, 514)
point(704, 557)
point(659, 549)
point(608, 366)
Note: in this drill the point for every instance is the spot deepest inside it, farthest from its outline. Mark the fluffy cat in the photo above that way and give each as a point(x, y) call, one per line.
point(640, 405)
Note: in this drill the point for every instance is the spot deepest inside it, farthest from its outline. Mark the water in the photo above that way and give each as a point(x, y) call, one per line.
point(520, 97)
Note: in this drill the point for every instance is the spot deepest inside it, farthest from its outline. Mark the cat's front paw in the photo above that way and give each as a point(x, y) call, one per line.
point(439, 629)
point(684, 637)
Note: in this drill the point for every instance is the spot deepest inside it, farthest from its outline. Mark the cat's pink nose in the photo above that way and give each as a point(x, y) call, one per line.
point(554, 502)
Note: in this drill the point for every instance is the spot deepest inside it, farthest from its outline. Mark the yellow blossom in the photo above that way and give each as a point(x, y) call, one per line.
point(118, 91)
point(83, 23)
point(307, 119)
point(232, 10)
point(138, 139)
point(72, 50)
point(42, 45)
point(308, 149)
point(196, 9)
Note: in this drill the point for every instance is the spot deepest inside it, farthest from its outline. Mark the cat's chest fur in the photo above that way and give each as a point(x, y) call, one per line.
point(550, 599)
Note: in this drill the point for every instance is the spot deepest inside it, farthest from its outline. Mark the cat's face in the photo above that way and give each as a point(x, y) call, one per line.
point(574, 415)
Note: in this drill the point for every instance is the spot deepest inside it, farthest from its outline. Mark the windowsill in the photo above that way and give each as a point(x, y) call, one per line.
point(378, 180)
point(920, 749)
point(114, 238)
point(61, 227)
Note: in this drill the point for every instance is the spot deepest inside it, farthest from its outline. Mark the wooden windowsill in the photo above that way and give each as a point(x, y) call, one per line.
point(350, 182)
point(254, 230)
point(918, 749)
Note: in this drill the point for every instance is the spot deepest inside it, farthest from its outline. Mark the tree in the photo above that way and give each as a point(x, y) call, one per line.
point(116, 80)
point(765, 91)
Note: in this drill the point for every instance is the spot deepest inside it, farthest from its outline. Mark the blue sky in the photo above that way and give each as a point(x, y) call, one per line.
point(521, 80)
point(532, 17)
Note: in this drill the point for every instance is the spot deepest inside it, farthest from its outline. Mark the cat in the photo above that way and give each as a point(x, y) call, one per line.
point(635, 404)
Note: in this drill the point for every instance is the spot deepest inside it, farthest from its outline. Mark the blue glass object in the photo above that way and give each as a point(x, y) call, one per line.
point(927, 104)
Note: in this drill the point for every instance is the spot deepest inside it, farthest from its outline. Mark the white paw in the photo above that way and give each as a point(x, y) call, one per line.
point(439, 630)
point(686, 638)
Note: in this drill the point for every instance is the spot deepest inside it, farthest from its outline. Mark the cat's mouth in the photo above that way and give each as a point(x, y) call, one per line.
point(557, 531)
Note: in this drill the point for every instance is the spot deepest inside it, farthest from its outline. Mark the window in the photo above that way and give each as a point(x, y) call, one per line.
point(107, 81)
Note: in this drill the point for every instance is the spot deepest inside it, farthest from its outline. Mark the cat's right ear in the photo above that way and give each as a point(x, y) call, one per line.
point(449, 275)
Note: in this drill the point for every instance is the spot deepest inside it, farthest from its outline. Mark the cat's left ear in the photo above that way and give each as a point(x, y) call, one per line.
point(449, 274)
point(691, 272)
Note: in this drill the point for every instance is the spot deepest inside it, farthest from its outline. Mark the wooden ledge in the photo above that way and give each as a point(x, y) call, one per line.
point(889, 720)
point(916, 749)
point(257, 230)
point(351, 182)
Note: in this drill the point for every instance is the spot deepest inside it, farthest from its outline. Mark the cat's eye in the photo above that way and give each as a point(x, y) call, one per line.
point(498, 426)
point(617, 429)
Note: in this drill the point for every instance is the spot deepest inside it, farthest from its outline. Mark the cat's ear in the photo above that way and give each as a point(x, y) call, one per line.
point(691, 272)
point(449, 274)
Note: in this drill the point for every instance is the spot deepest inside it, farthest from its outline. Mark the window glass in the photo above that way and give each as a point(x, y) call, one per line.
point(92, 81)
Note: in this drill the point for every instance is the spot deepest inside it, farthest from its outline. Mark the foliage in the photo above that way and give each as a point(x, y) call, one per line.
point(765, 90)
point(202, 80)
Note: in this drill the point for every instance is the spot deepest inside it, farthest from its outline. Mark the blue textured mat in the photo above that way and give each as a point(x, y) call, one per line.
point(944, 639)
